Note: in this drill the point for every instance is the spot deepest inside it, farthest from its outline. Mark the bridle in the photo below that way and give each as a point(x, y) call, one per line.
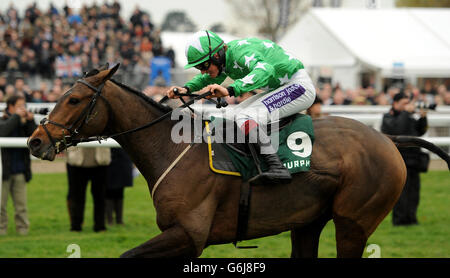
point(78, 124)
point(85, 116)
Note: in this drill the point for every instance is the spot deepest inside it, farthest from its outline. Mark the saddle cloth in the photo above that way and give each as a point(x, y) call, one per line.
point(295, 139)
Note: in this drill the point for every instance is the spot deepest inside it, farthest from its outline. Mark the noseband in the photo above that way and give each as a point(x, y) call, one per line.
point(75, 127)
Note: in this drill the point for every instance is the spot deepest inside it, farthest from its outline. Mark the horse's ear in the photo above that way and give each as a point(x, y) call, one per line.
point(111, 72)
point(104, 67)
point(92, 72)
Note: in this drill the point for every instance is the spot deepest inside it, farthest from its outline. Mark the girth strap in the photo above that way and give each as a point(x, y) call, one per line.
point(169, 169)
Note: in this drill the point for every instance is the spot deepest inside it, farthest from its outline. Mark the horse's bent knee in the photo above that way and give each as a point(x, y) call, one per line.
point(173, 242)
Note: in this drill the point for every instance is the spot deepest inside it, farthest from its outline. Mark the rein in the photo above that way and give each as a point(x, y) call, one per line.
point(69, 141)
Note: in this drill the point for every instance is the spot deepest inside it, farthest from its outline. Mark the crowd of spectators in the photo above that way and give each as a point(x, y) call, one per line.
point(43, 51)
point(437, 93)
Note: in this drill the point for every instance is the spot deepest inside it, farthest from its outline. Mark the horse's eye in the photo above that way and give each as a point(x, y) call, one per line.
point(74, 101)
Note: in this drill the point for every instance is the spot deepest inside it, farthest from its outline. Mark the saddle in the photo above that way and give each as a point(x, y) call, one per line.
point(230, 155)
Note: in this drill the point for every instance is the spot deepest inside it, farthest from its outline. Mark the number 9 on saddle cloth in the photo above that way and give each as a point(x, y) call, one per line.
point(229, 155)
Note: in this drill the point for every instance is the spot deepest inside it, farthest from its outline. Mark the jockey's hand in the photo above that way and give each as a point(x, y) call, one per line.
point(172, 95)
point(410, 107)
point(216, 91)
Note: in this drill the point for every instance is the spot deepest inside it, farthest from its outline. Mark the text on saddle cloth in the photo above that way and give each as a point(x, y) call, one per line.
point(295, 142)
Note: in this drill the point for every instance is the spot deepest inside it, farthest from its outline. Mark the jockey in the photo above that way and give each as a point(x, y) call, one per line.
point(253, 64)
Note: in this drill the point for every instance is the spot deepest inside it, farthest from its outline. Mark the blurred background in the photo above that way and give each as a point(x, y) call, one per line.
point(364, 50)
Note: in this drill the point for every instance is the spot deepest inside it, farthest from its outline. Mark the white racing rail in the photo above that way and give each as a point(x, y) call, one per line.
point(370, 115)
point(21, 142)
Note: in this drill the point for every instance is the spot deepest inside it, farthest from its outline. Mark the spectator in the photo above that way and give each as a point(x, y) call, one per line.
point(84, 165)
point(351, 95)
point(400, 121)
point(371, 94)
point(429, 92)
point(447, 98)
point(440, 97)
point(325, 94)
point(146, 23)
point(136, 17)
point(315, 111)
point(170, 53)
point(16, 166)
point(37, 96)
point(12, 68)
point(381, 99)
point(52, 97)
point(3, 82)
point(9, 91)
point(391, 92)
point(360, 100)
point(141, 72)
point(339, 98)
point(415, 94)
point(160, 66)
point(146, 45)
point(45, 59)
point(157, 43)
point(120, 175)
point(22, 89)
point(73, 18)
point(12, 18)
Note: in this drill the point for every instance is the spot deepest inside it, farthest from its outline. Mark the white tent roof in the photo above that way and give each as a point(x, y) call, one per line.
point(415, 40)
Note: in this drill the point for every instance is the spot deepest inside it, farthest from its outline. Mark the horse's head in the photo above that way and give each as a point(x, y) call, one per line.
point(81, 112)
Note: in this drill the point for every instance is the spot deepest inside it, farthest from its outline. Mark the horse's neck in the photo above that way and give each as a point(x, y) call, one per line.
point(151, 149)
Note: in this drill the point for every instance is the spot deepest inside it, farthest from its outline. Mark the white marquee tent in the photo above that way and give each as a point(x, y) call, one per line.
point(413, 42)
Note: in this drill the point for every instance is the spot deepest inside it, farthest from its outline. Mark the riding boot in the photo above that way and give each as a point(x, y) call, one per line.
point(118, 208)
point(276, 173)
point(109, 207)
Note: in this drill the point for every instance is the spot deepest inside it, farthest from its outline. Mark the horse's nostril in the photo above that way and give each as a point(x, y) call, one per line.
point(35, 143)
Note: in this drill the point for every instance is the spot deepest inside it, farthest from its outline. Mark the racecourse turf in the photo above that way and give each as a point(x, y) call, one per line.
point(49, 235)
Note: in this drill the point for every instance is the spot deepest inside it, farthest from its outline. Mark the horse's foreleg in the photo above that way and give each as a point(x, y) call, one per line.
point(173, 242)
point(186, 239)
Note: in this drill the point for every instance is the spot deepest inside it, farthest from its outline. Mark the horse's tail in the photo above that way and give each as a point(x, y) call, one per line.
point(411, 141)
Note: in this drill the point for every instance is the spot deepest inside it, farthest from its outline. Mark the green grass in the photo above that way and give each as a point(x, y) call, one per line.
point(49, 233)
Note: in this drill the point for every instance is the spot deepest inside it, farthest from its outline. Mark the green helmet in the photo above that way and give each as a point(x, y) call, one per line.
point(201, 46)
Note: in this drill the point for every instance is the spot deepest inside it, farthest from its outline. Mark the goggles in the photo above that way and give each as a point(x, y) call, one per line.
point(203, 66)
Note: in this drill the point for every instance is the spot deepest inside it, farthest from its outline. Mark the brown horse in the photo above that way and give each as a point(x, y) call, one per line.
point(356, 176)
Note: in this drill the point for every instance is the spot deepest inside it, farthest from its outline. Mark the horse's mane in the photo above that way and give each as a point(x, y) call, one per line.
point(159, 106)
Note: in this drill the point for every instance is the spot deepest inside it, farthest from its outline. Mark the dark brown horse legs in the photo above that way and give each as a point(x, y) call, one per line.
point(350, 238)
point(173, 242)
point(305, 240)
